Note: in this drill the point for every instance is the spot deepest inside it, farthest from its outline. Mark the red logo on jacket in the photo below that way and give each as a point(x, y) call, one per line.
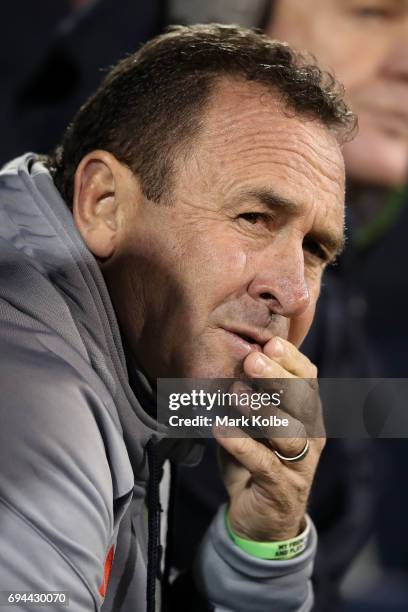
point(108, 566)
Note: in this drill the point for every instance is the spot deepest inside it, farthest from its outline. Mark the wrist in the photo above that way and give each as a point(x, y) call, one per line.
point(268, 530)
point(273, 550)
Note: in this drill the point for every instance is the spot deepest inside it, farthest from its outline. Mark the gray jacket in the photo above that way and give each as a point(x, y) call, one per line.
point(73, 435)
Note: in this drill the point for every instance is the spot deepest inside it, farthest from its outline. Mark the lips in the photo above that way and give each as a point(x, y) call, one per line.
point(253, 338)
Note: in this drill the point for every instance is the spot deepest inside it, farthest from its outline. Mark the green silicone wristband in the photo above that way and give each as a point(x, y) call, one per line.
point(278, 551)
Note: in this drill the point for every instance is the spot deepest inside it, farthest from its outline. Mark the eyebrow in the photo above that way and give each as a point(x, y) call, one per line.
point(333, 242)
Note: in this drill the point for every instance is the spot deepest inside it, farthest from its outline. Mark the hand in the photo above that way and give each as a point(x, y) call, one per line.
point(268, 496)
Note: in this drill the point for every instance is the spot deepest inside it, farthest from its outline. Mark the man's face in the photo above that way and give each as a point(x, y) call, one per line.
point(365, 44)
point(237, 257)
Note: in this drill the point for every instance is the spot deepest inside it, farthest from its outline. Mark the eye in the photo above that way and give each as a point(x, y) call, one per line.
point(254, 217)
point(373, 11)
point(313, 247)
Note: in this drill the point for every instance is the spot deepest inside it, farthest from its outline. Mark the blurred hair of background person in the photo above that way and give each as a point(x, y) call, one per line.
point(361, 328)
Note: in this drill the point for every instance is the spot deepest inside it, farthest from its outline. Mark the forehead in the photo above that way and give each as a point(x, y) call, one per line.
point(249, 141)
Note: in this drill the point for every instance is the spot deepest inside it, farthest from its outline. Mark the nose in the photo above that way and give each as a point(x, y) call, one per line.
point(281, 284)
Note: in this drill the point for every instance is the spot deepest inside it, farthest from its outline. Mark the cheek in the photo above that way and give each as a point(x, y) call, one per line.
point(217, 264)
point(236, 261)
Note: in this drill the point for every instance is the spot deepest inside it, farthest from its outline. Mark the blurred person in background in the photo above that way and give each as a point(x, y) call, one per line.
point(361, 329)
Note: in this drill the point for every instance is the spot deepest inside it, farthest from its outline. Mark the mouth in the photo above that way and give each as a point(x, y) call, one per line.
point(251, 340)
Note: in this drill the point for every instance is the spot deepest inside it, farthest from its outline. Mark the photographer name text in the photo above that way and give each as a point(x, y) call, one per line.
point(253, 420)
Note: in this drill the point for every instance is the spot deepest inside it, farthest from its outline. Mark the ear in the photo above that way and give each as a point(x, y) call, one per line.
point(97, 206)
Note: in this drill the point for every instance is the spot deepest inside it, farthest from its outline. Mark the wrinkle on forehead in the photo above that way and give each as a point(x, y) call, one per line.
point(246, 119)
point(248, 136)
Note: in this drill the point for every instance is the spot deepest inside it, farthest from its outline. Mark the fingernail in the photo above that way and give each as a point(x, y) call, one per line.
point(278, 347)
point(259, 365)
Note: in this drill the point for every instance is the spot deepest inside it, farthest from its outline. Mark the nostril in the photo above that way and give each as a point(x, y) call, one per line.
point(266, 296)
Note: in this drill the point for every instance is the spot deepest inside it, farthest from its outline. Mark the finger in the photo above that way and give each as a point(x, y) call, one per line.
point(258, 365)
point(258, 457)
point(289, 447)
point(295, 447)
point(266, 419)
point(269, 425)
point(299, 397)
point(290, 358)
point(259, 460)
